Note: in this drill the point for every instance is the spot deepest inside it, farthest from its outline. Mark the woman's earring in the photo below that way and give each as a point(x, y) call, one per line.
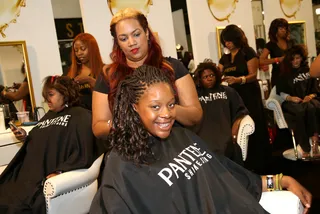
point(66, 105)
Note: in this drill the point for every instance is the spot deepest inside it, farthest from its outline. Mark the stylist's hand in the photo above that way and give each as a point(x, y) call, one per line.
point(296, 188)
point(232, 80)
point(20, 134)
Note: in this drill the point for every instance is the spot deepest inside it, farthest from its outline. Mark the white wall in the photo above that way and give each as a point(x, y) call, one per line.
point(272, 10)
point(96, 21)
point(66, 9)
point(36, 26)
point(180, 29)
point(203, 27)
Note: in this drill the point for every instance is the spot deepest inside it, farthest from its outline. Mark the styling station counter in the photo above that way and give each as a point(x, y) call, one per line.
point(9, 146)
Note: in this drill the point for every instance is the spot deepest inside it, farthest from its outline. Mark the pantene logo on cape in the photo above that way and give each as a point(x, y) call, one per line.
point(58, 121)
point(186, 164)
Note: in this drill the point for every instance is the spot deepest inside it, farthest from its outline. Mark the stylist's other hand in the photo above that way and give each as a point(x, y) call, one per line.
point(296, 188)
point(19, 133)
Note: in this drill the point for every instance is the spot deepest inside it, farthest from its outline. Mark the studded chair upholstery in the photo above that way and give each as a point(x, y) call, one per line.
point(246, 128)
point(72, 192)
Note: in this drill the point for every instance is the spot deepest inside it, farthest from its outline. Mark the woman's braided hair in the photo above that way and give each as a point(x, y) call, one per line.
point(129, 137)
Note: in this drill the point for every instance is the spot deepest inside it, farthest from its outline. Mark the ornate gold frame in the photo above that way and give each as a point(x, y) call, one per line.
point(290, 15)
point(304, 27)
point(228, 15)
point(218, 31)
point(27, 66)
point(150, 2)
point(4, 26)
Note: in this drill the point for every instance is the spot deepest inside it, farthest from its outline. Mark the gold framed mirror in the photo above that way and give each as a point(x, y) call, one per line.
point(15, 77)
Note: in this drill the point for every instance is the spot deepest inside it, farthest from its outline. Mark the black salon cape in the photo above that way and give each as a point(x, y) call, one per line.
point(222, 106)
point(203, 182)
point(298, 83)
point(67, 143)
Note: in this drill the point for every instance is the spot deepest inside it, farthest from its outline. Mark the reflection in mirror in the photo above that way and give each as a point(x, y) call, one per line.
point(15, 78)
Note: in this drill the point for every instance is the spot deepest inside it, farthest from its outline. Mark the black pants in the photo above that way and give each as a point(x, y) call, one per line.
point(303, 119)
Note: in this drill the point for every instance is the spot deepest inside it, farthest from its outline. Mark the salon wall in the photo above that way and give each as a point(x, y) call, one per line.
point(203, 27)
point(96, 20)
point(63, 9)
point(36, 26)
point(272, 10)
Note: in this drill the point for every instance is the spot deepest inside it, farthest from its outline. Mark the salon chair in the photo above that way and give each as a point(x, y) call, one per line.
point(72, 192)
point(274, 103)
point(276, 202)
point(246, 128)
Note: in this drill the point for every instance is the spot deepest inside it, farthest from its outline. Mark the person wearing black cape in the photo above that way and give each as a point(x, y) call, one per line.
point(154, 167)
point(60, 142)
point(301, 107)
point(223, 110)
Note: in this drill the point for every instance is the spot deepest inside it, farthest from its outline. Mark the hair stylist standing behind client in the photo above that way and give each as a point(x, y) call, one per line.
point(135, 45)
point(240, 70)
point(86, 65)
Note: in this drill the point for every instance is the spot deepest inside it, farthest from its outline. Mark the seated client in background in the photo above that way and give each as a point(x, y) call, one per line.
point(157, 168)
point(301, 107)
point(223, 110)
point(60, 142)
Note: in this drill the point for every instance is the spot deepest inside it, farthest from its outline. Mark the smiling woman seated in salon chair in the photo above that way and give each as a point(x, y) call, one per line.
point(156, 167)
point(61, 141)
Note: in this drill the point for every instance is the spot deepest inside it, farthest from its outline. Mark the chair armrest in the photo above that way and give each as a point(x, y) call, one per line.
point(246, 128)
point(274, 105)
point(72, 180)
point(279, 202)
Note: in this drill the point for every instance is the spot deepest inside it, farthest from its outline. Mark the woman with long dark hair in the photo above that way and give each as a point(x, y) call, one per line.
point(240, 68)
point(301, 93)
point(276, 47)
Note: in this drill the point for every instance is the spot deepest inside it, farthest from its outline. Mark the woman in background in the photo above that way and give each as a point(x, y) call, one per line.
point(240, 68)
point(86, 65)
point(135, 45)
point(61, 141)
point(276, 47)
point(223, 110)
point(301, 107)
point(21, 92)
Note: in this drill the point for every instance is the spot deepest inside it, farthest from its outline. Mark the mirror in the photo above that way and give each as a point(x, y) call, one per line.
point(15, 77)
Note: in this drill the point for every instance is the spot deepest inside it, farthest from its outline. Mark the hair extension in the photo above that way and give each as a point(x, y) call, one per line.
point(68, 88)
point(129, 137)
